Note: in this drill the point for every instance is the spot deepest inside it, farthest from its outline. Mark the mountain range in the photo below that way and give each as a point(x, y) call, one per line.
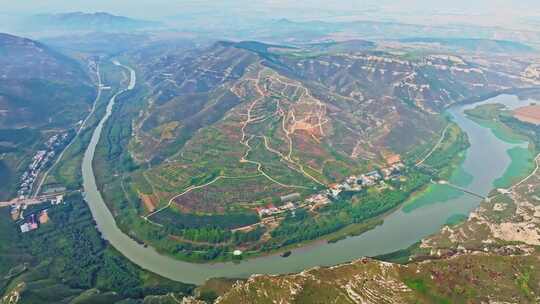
point(84, 22)
point(219, 132)
point(41, 90)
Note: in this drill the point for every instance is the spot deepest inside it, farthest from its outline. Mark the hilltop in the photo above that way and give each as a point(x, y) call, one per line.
point(40, 90)
point(220, 137)
point(491, 256)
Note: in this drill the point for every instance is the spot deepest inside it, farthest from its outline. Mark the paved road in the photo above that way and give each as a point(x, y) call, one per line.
point(434, 147)
point(83, 124)
point(537, 160)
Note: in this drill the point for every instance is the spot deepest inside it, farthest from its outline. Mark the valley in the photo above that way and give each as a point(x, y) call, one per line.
point(495, 243)
point(276, 136)
point(296, 162)
point(323, 254)
point(144, 256)
point(30, 71)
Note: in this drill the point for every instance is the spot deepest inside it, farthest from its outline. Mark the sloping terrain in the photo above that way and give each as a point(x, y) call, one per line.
point(319, 117)
point(38, 85)
point(224, 135)
point(480, 278)
point(475, 45)
point(66, 261)
point(238, 110)
point(40, 90)
point(490, 257)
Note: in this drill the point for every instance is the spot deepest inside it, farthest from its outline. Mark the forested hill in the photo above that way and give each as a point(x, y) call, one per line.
point(67, 261)
point(42, 93)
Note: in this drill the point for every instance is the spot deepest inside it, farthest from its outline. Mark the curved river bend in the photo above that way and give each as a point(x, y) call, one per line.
point(418, 218)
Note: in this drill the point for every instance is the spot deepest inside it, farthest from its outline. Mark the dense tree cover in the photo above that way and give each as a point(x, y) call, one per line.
point(19, 136)
point(117, 136)
point(301, 226)
point(73, 252)
point(455, 142)
point(217, 235)
point(116, 275)
point(358, 207)
point(176, 222)
point(248, 237)
point(207, 234)
point(196, 251)
point(530, 130)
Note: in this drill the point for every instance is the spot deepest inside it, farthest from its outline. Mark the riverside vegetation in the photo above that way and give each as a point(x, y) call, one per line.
point(67, 260)
point(255, 133)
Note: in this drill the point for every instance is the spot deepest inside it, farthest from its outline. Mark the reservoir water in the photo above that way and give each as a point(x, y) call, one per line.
point(486, 160)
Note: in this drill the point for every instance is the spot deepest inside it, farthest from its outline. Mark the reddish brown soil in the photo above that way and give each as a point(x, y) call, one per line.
point(149, 201)
point(530, 114)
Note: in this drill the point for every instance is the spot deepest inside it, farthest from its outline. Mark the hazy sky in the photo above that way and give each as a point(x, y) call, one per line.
point(489, 12)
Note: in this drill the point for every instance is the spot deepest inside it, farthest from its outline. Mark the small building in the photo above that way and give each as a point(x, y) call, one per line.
point(288, 206)
point(319, 199)
point(374, 175)
point(29, 224)
point(43, 217)
point(345, 187)
point(352, 180)
point(57, 200)
point(269, 210)
point(25, 228)
point(503, 191)
point(334, 192)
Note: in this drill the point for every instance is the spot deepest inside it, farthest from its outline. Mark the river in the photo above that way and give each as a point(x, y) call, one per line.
point(486, 160)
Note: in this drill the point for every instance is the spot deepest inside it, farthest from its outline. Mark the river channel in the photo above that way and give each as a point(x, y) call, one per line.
point(485, 161)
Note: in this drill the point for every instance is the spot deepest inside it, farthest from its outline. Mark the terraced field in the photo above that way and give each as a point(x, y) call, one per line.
point(491, 256)
point(230, 129)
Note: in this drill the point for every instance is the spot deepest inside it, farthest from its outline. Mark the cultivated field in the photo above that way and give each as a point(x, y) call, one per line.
point(530, 114)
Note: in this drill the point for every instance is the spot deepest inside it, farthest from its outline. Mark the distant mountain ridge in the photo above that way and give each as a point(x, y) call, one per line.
point(333, 112)
point(305, 31)
point(40, 90)
point(80, 21)
point(49, 64)
point(471, 44)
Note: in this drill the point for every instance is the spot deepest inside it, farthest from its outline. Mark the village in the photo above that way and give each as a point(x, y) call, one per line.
point(40, 160)
point(29, 214)
point(289, 203)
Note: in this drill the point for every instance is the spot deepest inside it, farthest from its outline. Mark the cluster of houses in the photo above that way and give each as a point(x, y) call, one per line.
point(352, 183)
point(273, 210)
point(373, 178)
point(40, 159)
point(32, 221)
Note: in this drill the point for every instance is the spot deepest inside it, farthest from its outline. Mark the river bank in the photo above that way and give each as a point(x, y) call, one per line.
point(395, 233)
point(489, 116)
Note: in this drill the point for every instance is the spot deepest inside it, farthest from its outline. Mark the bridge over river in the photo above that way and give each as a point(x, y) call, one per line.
point(400, 229)
point(445, 182)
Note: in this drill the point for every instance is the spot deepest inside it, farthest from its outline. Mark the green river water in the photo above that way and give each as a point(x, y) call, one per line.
point(487, 160)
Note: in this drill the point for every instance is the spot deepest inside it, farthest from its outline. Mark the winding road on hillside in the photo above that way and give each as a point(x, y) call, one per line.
point(434, 147)
point(81, 127)
point(395, 233)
